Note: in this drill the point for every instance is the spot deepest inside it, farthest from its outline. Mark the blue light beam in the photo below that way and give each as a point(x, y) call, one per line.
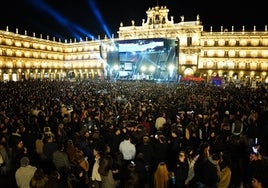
point(96, 12)
point(70, 27)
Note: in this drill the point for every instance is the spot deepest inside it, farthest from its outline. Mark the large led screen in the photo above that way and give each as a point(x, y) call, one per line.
point(131, 56)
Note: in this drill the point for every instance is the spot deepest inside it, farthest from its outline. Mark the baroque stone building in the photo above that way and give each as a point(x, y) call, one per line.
point(28, 57)
point(232, 55)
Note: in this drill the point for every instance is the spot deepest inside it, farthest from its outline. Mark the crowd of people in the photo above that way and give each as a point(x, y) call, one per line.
point(132, 134)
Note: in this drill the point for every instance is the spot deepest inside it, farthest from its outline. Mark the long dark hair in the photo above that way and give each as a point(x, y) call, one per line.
point(105, 165)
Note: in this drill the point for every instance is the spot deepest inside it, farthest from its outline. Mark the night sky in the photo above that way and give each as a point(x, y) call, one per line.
point(69, 19)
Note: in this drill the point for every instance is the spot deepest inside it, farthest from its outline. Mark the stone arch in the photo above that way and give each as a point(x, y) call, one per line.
point(188, 72)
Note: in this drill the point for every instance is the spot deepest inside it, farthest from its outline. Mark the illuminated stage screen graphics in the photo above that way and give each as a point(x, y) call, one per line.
point(140, 46)
point(142, 58)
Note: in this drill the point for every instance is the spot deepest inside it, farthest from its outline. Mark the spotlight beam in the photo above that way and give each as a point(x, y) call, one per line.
point(73, 29)
point(96, 11)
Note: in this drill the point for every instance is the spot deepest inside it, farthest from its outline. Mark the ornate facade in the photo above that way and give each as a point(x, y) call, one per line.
point(28, 57)
point(233, 55)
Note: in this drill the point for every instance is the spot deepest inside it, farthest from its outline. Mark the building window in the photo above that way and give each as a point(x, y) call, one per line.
point(189, 41)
